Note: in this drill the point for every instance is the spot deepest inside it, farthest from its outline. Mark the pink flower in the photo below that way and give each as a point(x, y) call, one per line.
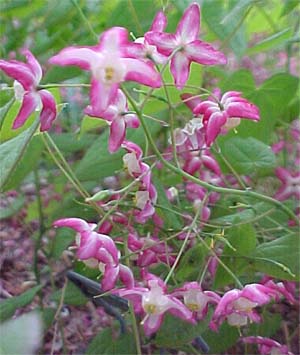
point(267, 346)
point(237, 306)
point(196, 299)
point(145, 201)
point(152, 302)
point(98, 251)
point(290, 184)
point(219, 117)
point(142, 49)
point(186, 46)
point(109, 67)
point(134, 165)
point(27, 78)
point(118, 118)
point(149, 250)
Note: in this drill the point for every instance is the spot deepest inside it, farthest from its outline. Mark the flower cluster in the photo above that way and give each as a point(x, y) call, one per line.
point(111, 62)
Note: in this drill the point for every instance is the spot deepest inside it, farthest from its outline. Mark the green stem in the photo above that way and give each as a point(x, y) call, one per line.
point(209, 187)
point(85, 20)
point(186, 239)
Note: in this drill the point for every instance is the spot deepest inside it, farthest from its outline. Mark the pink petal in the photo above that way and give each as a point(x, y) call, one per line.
point(165, 42)
point(18, 71)
point(214, 125)
point(180, 69)
point(79, 225)
point(204, 53)
point(141, 72)
point(159, 23)
point(34, 65)
point(132, 121)
point(189, 25)
point(101, 96)
point(117, 134)
point(113, 39)
point(243, 110)
point(29, 104)
point(178, 309)
point(48, 113)
point(126, 276)
point(283, 174)
point(110, 277)
point(152, 323)
point(82, 57)
point(134, 50)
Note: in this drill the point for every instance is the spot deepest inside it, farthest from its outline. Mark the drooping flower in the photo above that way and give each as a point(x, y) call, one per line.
point(27, 78)
point(145, 201)
point(149, 250)
point(238, 306)
point(98, 251)
point(109, 67)
point(267, 346)
point(152, 302)
point(196, 299)
point(185, 46)
point(118, 118)
point(219, 117)
point(290, 184)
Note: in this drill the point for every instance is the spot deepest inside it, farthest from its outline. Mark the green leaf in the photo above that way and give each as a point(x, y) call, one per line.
point(73, 295)
point(97, 163)
point(105, 343)
point(13, 207)
point(10, 305)
point(275, 40)
point(220, 342)
point(11, 152)
point(248, 155)
point(63, 238)
point(4, 110)
point(28, 163)
point(226, 30)
point(171, 219)
point(71, 143)
point(188, 269)
point(288, 7)
point(241, 242)
point(279, 258)
point(241, 80)
point(21, 335)
point(175, 332)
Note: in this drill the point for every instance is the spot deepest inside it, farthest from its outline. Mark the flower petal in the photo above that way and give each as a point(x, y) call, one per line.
point(82, 57)
point(203, 53)
point(48, 113)
point(189, 25)
point(180, 69)
point(113, 39)
point(117, 134)
point(109, 278)
point(152, 323)
point(34, 65)
point(79, 225)
point(101, 96)
point(165, 42)
point(29, 104)
point(141, 72)
point(159, 23)
point(18, 71)
point(214, 125)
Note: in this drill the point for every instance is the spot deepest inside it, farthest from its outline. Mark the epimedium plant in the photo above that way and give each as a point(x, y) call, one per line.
point(184, 231)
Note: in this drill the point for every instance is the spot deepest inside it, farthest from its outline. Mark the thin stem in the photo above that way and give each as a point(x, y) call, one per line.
point(209, 187)
point(187, 237)
point(65, 85)
point(238, 282)
point(85, 20)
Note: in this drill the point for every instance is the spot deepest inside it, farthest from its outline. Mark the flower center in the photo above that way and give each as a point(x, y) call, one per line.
point(109, 73)
point(194, 307)
point(150, 308)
